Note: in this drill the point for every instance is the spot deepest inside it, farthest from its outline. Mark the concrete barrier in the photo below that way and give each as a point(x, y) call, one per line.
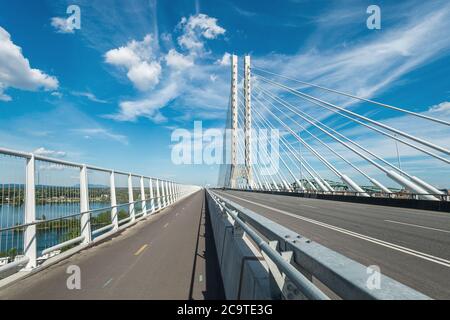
point(244, 272)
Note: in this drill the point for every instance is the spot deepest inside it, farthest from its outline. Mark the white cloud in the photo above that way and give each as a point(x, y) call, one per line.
point(182, 82)
point(366, 68)
point(16, 72)
point(62, 25)
point(443, 107)
point(57, 94)
point(103, 133)
point(225, 61)
point(148, 106)
point(137, 57)
point(145, 75)
point(49, 153)
point(178, 61)
point(90, 96)
point(195, 29)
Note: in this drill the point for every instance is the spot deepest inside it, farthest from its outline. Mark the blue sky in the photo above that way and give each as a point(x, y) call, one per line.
point(111, 93)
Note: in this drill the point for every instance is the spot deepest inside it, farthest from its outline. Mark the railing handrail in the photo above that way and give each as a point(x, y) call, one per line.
point(353, 193)
point(29, 155)
point(345, 277)
point(146, 196)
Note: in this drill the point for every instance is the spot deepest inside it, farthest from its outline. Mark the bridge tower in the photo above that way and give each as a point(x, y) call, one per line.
point(248, 122)
point(234, 121)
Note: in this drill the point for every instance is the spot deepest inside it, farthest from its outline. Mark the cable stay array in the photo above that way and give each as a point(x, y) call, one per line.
point(315, 142)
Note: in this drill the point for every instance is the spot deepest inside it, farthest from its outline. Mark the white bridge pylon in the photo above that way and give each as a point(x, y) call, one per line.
point(261, 104)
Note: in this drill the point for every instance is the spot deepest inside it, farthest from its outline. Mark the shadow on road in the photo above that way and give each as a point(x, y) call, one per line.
point(206, 250)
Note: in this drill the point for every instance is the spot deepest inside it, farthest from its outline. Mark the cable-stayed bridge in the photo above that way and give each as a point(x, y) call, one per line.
point(305, 209)
point(309, 148)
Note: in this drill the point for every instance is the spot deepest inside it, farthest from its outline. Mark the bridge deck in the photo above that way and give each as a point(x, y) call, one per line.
point(169, 256)
point(357, 231)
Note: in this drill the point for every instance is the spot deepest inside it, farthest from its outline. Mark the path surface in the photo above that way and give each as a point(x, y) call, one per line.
point(411, 246)
point(169, 256)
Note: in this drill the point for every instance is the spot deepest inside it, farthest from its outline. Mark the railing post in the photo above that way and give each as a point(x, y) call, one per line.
point(158, 193)
point(169, 193)
point(30, 248)
point(114, 211)
point(131, 197)
point(85, 218)
point(152, 196)
point(144, 204)
point(172, 200)
point(163, 195)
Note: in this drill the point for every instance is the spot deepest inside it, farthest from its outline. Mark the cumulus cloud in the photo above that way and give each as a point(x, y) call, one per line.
point(177, 60)
point(49, 153)
point(149, 106)
point(62, 25)
point(179, 81)
point(225, 61)
point(137, 57)
point(195, 29)
point(16, 72)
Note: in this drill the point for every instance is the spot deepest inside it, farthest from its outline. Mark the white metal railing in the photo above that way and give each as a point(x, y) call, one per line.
point(64, 193)
point(291, 256)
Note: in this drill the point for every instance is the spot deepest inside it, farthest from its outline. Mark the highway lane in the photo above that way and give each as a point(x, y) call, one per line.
point(411, 246)
point(168, 256)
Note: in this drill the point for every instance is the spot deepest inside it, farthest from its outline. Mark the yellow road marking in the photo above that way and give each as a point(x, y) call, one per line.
point(141, 249)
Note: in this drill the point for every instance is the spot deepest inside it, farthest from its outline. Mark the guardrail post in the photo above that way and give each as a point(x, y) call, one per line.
point(144, 204)
point(114, 211)
point(152, 196)
point(131, 198)
point(30, 248)
point(158, 193)
point(85, 218)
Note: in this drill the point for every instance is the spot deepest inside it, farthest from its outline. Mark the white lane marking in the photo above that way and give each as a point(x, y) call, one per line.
point(107, 282)
point(417, 226)
point(165, 226)
point(393, 246)
point(200, 278)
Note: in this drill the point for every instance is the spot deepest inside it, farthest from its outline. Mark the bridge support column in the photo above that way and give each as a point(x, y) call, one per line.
point(85, 219)
point(30, 248)
point(131, 198)
point(114, 211)
point(234, 121)
point(248, 123)
point(144, 203)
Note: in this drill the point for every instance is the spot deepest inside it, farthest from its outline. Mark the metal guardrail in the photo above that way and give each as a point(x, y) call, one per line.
point(66, 198)
point(393, 195)
point(344, 277)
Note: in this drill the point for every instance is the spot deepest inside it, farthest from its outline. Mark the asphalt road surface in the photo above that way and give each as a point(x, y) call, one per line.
point(410, 246)
point(168, 256)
